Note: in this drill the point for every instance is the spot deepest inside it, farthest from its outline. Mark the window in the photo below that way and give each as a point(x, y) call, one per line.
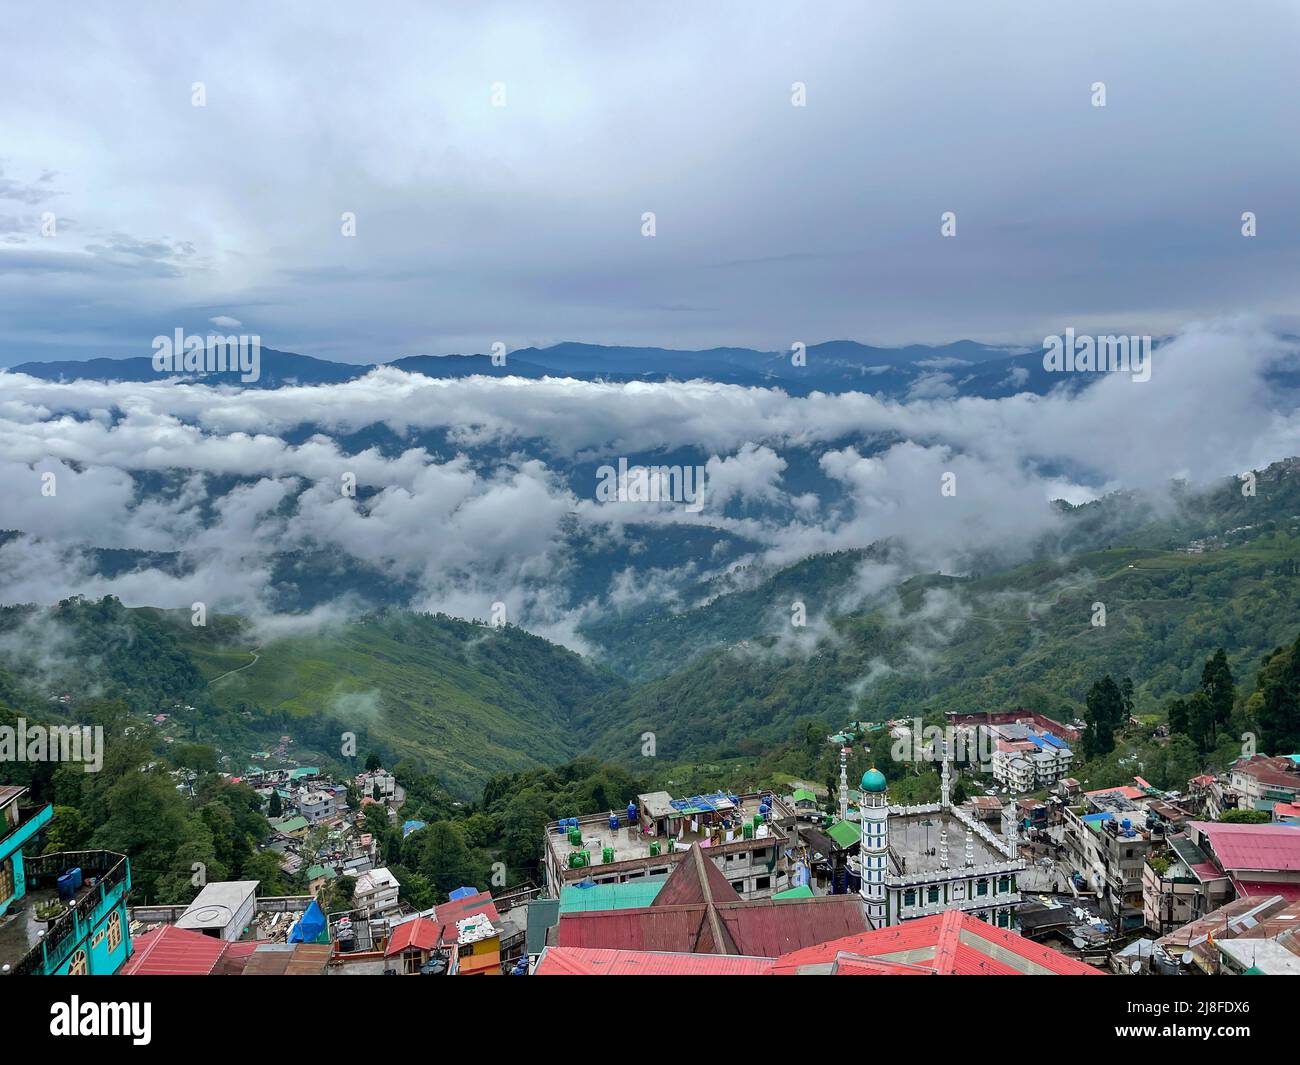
point(909, 897)
point(982, 888)
point(932, 895)
point(762, 883)
point(6, 879)
point(739, 885)
point(114, 930)
point(78, 964)
point(760, 856)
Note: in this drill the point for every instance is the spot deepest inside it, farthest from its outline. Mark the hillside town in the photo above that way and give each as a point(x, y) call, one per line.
point(1017, 868)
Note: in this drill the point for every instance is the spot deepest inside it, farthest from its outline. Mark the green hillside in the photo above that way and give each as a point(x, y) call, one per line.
point(1021, 637)
point(465, 700)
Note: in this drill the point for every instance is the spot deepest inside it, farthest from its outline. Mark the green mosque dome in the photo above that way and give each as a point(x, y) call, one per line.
point(873, 780)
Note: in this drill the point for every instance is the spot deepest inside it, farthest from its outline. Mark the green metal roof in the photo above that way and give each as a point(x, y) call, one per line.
point(803, 795)
point(845, 833)
point(321, 870)
point(803, 891)
point(626, 896)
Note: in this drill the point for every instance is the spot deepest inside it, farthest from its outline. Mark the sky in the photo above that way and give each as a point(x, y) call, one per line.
point(523, 223)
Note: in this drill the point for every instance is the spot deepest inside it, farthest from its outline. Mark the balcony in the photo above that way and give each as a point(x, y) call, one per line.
point(30, 821)
point(106, 879)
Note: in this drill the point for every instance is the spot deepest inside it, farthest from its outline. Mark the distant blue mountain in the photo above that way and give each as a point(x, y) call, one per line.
point(964, 368)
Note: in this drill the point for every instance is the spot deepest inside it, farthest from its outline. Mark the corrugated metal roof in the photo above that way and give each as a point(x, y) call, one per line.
point(581, 961)
point(172, 951)
point(1238, 847)
point(628, 895)
point(950, 943)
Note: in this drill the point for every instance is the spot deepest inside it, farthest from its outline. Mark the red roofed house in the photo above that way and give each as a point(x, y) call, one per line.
point(172, 951)
point(413, 942)
point(585, 961)
point(952, 943)
point(698, 912)
point(1259, 859)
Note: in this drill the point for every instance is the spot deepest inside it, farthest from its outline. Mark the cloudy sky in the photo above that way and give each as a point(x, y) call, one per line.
point(522, 223)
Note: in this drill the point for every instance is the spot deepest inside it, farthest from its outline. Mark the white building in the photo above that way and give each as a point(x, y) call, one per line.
point(908, 870)
point(317, 806)
point(222, 910)
point(375, 892)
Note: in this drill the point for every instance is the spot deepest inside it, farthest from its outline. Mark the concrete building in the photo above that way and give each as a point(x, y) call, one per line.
point(316, 806)
point(916, 861)
point(1180, 885)
point(223, 910)
point(745, 836)
point(375, 892)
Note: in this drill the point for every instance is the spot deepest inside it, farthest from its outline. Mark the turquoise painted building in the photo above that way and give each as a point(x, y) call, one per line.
point(91, 936)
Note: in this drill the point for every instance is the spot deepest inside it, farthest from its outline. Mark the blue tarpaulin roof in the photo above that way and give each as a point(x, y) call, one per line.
point(310, 927)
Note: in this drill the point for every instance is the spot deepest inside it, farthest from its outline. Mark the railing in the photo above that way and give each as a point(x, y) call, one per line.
point(110, 870)
point(25, 818)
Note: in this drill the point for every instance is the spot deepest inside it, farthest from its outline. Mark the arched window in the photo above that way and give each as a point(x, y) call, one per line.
point(78, 965)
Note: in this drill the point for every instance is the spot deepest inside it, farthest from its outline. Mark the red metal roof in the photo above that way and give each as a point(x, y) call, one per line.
point(948, 944)
point(1245, 847)
point(422, 934)
point(172, 951)
point(1290, 892)
point(582, 961)
point(448, 913)
point(763, 929)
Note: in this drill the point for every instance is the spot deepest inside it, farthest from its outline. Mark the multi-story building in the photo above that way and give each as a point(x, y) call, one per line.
point(916, 861)
point(317, 806)
point(745, 836)
point(1181, 884)
point(62, 913)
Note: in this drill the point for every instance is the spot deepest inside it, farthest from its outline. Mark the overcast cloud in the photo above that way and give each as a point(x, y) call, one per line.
point(522, 223)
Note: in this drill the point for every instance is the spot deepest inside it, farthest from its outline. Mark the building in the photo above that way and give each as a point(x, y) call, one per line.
point(61, 914)
point(1026, 758)
point(746, 837)
point(1262, 921)
point(947, 944)
point(699, 912)
point(1258, 859)
point(954, 943)
point(1286, 813)
point(412, 944)
point(1108, 840)
point(916, 861)
point(1260, 782)
point(316, 806)
point(375, 892)
point(222, 910)
point(1180, 885)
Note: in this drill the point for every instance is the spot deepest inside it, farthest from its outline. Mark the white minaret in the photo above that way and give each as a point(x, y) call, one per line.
point(844, 783)
point(1013, 834)
point(970, 847)
point(873, 855)
point(945, 780)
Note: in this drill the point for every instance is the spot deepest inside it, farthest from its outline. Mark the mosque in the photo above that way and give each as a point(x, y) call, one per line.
point(916, 861)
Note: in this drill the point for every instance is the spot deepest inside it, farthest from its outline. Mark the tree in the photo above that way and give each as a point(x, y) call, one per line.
point(1245, 817)
point(373, 762)
point(275, 807)
point(1178, 716)
point(1104, 714)
point(1217, 684)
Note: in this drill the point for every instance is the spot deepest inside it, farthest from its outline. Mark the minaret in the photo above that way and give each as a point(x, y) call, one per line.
point(1013, 834)
point(873, 855)
point(944, 796)
point(970, 847)
point(844, 783)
